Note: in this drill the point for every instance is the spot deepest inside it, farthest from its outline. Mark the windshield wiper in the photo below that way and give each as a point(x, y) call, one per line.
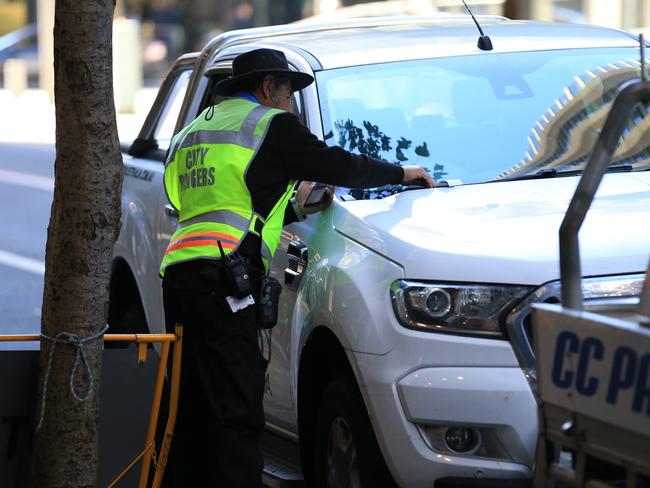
point(382, 191)
point(552, 173)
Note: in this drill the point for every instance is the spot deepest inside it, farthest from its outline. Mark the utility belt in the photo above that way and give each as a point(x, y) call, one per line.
point(218, 278)
point(239, 276)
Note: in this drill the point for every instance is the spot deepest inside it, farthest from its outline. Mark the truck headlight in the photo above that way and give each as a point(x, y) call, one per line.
point(453, 308)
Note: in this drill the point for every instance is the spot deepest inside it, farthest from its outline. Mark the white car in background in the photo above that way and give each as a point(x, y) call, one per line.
point(403, 352)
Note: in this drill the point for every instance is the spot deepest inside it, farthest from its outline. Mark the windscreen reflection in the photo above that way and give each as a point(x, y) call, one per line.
point(473, 119)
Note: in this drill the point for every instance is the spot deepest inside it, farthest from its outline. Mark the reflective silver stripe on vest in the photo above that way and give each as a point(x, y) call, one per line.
point(172, 154)
point(244, 137)
point(247, 130)
point(266, 252)
point(216, 137)
point(218, 217)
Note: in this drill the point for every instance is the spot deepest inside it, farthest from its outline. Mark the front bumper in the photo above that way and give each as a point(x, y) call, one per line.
point(408, 389)
point(484, 483)
point(497, 399)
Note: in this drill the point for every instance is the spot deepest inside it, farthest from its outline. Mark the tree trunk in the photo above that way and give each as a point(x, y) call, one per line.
point(515, 9)
point(84, 224)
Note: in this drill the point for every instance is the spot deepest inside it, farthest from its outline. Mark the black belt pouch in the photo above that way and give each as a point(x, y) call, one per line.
point(267, 304)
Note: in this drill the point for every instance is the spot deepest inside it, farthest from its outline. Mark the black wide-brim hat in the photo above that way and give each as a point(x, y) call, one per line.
point(257, 63)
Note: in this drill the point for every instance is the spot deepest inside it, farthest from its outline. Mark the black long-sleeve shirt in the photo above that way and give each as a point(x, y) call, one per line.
point(291, 152)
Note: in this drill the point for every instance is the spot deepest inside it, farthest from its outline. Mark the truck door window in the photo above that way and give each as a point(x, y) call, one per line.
point(165, 126)
point(209, 98)
point(296, 106)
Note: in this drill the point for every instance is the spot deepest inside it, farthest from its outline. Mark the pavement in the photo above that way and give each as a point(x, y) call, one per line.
point(30, 116)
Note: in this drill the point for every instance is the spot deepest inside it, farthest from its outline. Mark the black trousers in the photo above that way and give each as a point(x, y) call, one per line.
point(220, 416)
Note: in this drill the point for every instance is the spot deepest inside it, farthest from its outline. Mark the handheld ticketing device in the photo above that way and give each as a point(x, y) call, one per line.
point(316, 195)
point(267, 311)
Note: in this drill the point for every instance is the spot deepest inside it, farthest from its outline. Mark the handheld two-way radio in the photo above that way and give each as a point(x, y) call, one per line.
point(236, 268)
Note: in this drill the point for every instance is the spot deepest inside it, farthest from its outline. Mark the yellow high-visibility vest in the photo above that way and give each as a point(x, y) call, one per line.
point(205, 181)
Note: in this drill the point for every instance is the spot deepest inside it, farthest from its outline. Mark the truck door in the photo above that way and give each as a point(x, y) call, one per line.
point(148, 221)
point(286, 267)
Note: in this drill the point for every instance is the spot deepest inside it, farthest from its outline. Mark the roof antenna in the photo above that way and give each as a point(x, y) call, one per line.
point(484, 42)
point(644, 75)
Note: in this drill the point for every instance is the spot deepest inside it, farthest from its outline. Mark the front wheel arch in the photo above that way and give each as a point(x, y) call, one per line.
point(323, 361)
point(125, 310)
point(346, 452)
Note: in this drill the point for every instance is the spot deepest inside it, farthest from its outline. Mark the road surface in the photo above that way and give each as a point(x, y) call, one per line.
point(27, 153)
point(26, 188)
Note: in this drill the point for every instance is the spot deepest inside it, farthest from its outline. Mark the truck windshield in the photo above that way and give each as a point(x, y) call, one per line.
point(471, 119)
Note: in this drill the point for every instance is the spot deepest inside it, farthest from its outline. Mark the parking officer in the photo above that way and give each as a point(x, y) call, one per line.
point(231, 174)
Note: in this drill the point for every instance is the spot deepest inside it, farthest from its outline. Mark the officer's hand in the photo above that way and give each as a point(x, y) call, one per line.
point(415, 175)
point(303, 192)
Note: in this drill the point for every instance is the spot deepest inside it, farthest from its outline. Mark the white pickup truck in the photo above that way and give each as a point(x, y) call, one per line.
point(405, 314)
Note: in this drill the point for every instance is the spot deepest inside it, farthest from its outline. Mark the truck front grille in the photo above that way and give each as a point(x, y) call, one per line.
point(613, 295)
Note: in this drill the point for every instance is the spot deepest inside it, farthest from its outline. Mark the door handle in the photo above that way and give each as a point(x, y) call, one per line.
point(171, 211)
point(298, 250)
point(297, 255)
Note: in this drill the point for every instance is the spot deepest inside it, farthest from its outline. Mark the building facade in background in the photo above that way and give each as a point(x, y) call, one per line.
point(168, 28)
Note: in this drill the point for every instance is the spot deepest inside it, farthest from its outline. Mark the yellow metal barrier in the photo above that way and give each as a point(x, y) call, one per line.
point(148, 454)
